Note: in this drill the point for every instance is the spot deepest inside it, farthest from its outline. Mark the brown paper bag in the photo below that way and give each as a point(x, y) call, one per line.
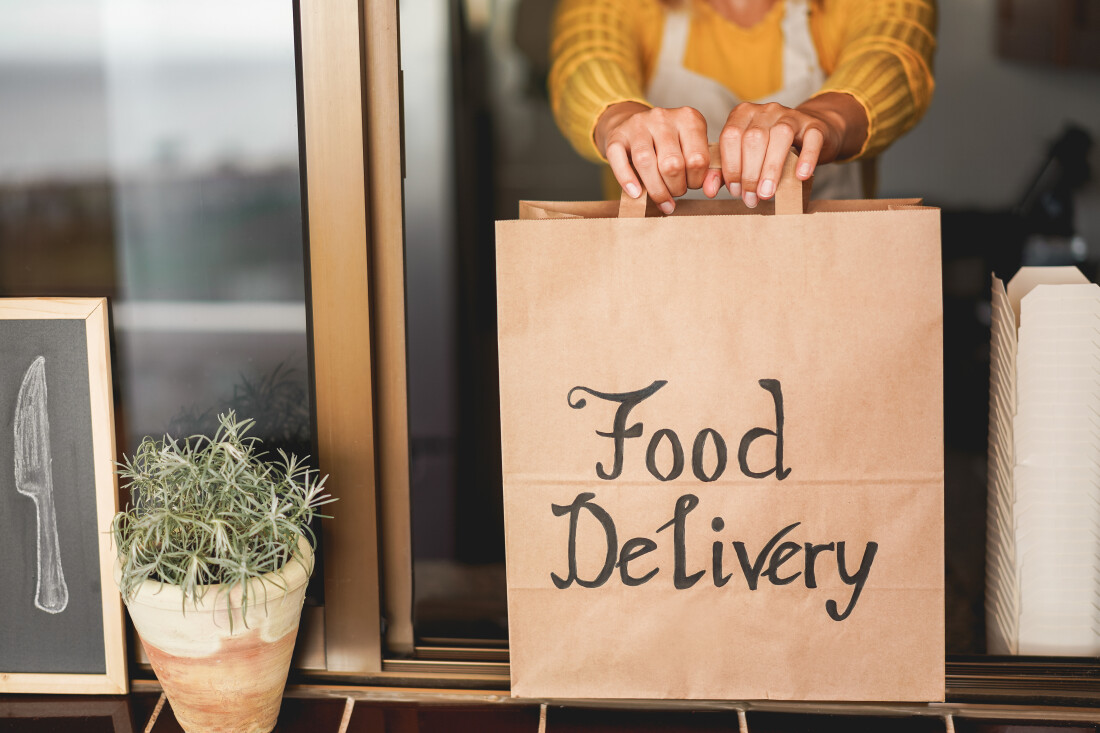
point(723, 451)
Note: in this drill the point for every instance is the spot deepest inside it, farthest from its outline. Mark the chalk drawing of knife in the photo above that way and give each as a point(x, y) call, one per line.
point(33, 478)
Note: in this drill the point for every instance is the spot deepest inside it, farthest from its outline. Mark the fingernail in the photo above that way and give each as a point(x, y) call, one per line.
point(804, 170)
point(750, 199)
point(667, 207)
point(633, 191)
point(767, 188)
point(735, 189)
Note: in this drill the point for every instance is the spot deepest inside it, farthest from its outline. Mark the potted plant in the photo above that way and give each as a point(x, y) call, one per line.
point(214, 553)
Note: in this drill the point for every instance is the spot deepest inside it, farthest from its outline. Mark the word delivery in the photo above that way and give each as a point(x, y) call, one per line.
point(777, 561)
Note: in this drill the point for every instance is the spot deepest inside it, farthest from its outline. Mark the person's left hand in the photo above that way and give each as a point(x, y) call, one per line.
point(756, 138)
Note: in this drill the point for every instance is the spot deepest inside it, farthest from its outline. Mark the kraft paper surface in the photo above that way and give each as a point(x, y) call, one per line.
point(784, 374)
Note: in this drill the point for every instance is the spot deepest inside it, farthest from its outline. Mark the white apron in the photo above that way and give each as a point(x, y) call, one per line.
point(675, 86)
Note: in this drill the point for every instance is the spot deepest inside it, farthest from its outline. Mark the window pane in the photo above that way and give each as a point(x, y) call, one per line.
point(479, 138)
point(149, 153)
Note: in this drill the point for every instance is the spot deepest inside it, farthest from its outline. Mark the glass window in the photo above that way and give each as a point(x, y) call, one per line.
point(480, 137)
point(149, 153)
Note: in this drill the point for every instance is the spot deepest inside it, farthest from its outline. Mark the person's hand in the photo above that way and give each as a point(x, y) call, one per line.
point(664, 150)
point(756, 138)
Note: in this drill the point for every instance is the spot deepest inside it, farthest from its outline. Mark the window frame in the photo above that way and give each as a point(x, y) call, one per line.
point(333, 148)
point(351, 67)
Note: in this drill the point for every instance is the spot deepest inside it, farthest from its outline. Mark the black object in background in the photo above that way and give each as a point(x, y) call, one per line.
point(33, 640)
point(1035, 230)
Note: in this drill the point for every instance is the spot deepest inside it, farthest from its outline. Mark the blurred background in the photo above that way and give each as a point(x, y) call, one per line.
point(150, 155)
point(1005, 150)
point(149, 152)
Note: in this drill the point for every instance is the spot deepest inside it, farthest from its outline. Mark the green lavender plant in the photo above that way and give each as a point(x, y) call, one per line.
point(214, 510)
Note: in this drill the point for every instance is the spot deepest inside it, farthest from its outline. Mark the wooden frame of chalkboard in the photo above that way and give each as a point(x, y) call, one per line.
point(62, 625)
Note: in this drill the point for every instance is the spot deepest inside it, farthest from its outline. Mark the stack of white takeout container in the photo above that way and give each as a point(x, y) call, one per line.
point(1043, 594)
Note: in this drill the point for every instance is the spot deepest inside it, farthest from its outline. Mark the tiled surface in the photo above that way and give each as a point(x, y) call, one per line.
point(142, 705)
point(297, 714)
point(991, 726)
point(94, 724)
point(58, 725)
point(50, 713)
point(584, 720)
point(393, 718)
point(791, 723)
point(134, 713)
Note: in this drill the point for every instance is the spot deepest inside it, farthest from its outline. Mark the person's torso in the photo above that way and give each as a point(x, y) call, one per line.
point(747, 61)
point(790, 78)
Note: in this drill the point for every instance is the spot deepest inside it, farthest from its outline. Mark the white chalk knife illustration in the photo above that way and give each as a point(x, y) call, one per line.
point(33, 478)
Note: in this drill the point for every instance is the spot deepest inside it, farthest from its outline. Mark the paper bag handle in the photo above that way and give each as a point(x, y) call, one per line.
point(791, 195)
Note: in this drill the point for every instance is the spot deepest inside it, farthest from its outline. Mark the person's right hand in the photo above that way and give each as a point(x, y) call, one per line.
point(666, 149)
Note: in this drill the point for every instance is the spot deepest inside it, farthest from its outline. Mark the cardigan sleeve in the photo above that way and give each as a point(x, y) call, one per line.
point(885, 63)
point(597, 61)
point(599, 55)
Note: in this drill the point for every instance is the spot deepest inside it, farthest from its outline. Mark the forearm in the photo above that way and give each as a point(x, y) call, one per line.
point(886, 66)
point(597, 63)
point(844, 114)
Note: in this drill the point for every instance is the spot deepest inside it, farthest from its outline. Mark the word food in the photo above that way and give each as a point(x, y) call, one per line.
point(785, 559)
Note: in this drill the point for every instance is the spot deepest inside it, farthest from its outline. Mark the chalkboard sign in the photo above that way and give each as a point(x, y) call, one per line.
point(61, 627)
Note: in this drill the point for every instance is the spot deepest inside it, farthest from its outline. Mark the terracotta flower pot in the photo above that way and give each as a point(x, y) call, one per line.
point(217, 679)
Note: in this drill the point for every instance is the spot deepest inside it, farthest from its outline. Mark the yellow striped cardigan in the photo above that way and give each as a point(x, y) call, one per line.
point(879, 51)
